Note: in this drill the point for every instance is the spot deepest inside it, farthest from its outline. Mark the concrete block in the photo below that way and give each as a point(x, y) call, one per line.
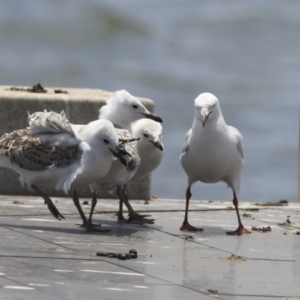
point(81, 106)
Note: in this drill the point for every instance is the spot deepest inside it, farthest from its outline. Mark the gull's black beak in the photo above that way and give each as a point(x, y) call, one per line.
point(123, 151)
point(124, 141)
point(119, 155)
point(153, 117)
point(158, 145)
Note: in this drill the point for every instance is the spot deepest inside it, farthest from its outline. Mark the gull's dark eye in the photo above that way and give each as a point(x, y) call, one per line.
point(146, 135)
point(106, 141)
point(135, 106)
point(214, 105)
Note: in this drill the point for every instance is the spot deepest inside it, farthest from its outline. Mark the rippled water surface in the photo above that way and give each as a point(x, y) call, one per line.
point(245, 52)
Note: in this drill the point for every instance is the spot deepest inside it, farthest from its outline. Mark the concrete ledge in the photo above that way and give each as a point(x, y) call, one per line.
point(81, 106)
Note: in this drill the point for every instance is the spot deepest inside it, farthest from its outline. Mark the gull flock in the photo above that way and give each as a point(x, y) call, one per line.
point(122, 146)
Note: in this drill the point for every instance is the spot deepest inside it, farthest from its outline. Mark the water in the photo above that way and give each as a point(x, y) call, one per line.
point(245, 52)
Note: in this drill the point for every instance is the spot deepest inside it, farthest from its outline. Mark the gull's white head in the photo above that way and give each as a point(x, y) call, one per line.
point(150, 132)
point(123, 109)
point(207, 108)
point(103, 135)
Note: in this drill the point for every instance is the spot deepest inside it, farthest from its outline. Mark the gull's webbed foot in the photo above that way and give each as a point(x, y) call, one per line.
point(140, 219)
point(93, 227)
point(239, 231)
point(186, 226)
point(54, 211)
point(90, 224)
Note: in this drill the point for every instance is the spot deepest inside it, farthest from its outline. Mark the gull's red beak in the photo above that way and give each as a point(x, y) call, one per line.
point(204, 118)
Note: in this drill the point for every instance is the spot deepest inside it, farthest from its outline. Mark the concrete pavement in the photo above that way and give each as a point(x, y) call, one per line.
point(43, 258)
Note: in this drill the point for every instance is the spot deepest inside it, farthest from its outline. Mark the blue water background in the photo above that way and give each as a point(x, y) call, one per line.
point(245, 52)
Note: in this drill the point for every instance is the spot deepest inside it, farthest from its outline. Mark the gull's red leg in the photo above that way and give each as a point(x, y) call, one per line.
point(241, 229)
point(186, 225)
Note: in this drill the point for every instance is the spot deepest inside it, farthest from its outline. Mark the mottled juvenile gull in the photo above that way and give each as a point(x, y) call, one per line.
point(150, 148)
point(49, 153)
point(212, 152)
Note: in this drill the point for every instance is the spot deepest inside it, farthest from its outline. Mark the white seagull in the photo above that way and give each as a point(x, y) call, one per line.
point(122, 109)
point(212, 152)
point(150, 146)
point(150, 149)
point(49, 153)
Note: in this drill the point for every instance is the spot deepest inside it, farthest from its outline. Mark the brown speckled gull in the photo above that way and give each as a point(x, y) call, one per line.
point(50, 153)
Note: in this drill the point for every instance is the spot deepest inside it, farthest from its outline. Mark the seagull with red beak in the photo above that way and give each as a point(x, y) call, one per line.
point(212, 153)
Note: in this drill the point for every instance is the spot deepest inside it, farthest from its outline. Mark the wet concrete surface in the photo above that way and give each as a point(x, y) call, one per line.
point(43, 258)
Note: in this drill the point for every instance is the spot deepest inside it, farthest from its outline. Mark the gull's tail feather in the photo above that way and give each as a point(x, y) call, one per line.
point(49, 122)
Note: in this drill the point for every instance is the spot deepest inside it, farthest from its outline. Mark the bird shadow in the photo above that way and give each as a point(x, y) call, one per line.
point(115, 228)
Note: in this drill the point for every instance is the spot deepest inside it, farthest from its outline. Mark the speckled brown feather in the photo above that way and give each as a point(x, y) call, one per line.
point(31, 153)
point(132, 162)
point(49, 122)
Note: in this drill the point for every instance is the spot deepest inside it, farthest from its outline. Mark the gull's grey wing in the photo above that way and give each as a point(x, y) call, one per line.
point(240, 148)
point(37, 153)
point(239, 138)
point(186, 142)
